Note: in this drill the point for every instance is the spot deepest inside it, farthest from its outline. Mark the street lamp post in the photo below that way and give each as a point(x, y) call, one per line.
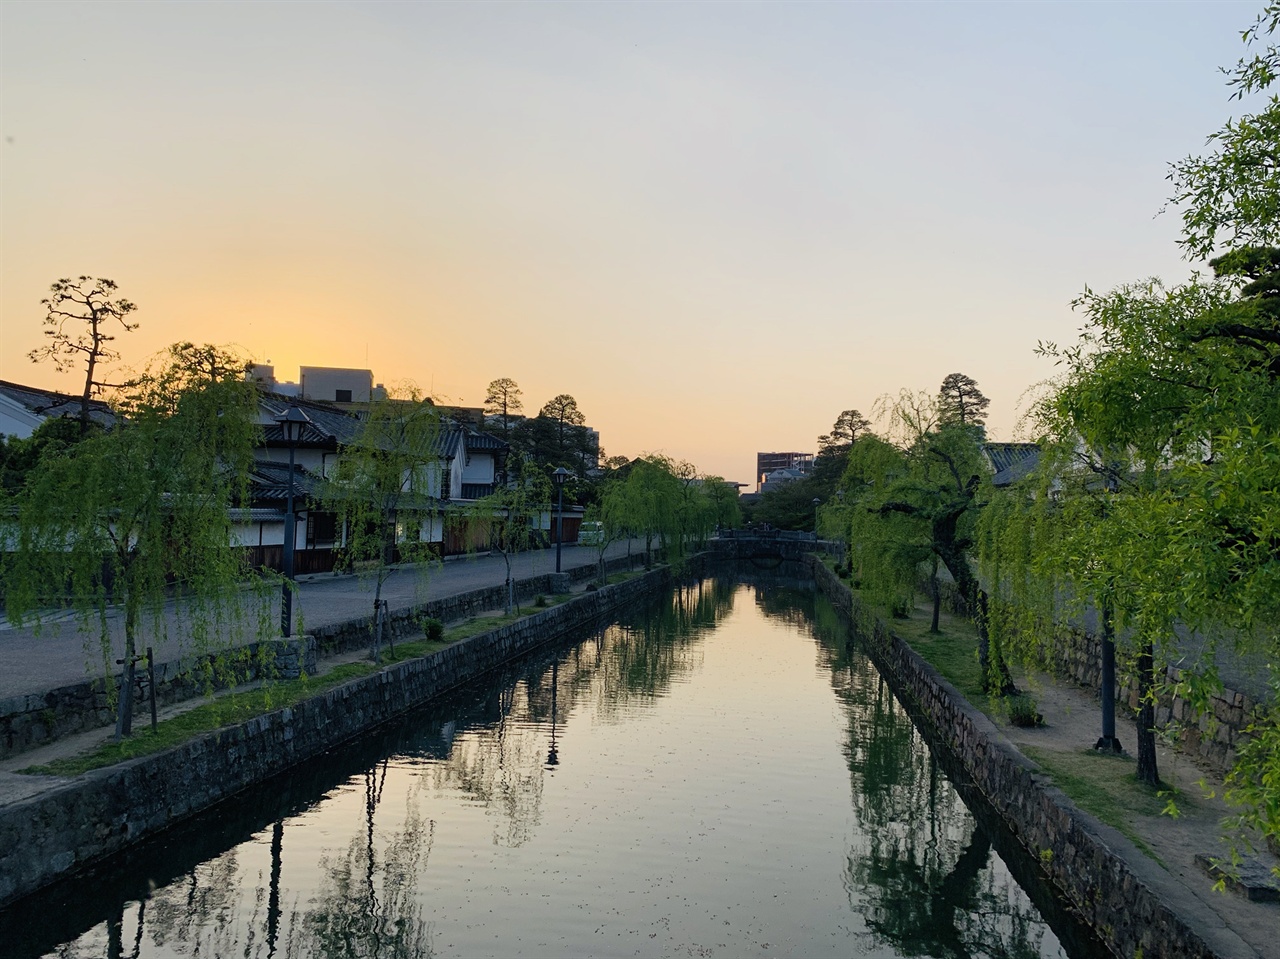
point(292, 422)
point(558, 477)
point(816, 502)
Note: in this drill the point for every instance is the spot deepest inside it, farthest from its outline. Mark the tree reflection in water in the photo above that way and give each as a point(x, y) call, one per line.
point(501, 762)
point(922, 870)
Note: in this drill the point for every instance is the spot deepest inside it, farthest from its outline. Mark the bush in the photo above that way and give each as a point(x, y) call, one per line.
point(433, 628)
point(539, 601)
point(1023, 711)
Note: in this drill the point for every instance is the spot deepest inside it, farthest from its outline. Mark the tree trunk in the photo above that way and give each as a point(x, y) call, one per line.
point(376, 652)
point(995, 672)
point(124, 705)
point(1147, 771)
point(937, 596)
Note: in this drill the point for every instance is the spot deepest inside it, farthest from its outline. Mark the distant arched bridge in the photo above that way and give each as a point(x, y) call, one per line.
point(772, 546)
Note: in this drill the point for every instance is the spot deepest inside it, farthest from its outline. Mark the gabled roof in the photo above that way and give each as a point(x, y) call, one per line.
point(329, 426)
point(1011, 461)
point(50, 403)
point(332, 427)
point(269, 482)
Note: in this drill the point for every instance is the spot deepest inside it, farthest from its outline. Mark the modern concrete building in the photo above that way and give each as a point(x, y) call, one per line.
point(770, 462)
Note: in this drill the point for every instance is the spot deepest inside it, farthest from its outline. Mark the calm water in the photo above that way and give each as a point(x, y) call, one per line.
point(719, 775)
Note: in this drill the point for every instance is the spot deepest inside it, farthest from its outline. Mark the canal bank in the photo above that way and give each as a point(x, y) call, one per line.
point(1140, 906)
point(71, 825)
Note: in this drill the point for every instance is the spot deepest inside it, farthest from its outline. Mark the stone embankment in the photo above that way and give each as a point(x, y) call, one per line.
point(1072, 849)
point(38, 719)
point(78, 822)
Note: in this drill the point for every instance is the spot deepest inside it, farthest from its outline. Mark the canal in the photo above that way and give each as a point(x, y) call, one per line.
point(720, 773)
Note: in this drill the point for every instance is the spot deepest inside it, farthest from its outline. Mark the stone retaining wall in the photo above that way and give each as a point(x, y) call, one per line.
point(37, 719)
point(83, 820)
point(1210, 738)
point(1071, 847)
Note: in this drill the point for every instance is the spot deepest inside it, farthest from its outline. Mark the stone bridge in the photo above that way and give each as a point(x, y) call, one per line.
point(770, 546)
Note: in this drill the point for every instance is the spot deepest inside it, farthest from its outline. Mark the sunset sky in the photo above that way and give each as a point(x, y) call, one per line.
point(716, 225)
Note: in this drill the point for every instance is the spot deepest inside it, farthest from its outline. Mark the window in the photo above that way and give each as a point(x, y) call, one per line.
point(342, 396)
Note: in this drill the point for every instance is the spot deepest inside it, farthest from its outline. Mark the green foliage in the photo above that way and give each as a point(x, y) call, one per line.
point(139, 513)
point(384, 491)
point(1022, 710)
point(1158, 493)
point(1231, 196)
point(18, 457)
point(509, 519)
point(790, 506)
point(915, 501)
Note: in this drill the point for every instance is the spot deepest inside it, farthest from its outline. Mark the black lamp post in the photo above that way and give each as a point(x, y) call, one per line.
point(558, 477)
point(292, 422)
point(816, 501)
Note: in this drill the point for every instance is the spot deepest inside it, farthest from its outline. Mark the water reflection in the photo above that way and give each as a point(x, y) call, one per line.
point(924, 872)
point(661, 786)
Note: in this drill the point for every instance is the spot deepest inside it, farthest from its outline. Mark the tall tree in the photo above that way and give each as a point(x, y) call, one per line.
point(503, 401)
point(563, 411)
point(961, 402)
point(848, 426)
point(385, 491)
point(126, 516)
point(80, 319)
point(919, 504)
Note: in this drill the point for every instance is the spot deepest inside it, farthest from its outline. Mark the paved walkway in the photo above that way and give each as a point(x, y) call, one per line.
point(61, 651)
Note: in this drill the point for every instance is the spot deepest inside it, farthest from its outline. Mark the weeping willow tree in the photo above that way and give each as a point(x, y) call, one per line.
point(509, 519)
point(914, 502)
point(140, 513)
point(384, 492)
point(1159, 499)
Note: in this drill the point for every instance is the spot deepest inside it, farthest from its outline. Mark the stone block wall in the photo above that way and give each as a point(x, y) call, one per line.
point(80, 821)
point(1211, 739)
point(1072, 848)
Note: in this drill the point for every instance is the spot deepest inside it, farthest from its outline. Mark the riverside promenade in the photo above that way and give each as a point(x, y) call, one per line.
point(62, 650)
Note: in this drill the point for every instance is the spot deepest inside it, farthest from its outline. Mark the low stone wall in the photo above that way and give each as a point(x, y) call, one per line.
point(81, 821)
point(1071, 847)
point(37, 719)
point(1211, 739)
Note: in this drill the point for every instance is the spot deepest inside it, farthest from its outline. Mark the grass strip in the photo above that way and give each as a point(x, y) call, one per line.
point(228, 709)
point(220, 711)
point(1104, 786)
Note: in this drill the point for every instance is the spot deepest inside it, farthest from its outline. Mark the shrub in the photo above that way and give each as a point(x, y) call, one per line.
point(1023, 711)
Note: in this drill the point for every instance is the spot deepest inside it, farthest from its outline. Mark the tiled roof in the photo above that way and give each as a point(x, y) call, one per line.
point(329, 425)
point(52, 403)
point(1011, 461)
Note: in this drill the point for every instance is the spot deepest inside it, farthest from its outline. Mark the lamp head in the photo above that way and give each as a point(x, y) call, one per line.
point(292, 422)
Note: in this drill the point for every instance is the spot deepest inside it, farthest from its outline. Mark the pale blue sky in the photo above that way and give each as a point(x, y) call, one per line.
point(717, 225)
